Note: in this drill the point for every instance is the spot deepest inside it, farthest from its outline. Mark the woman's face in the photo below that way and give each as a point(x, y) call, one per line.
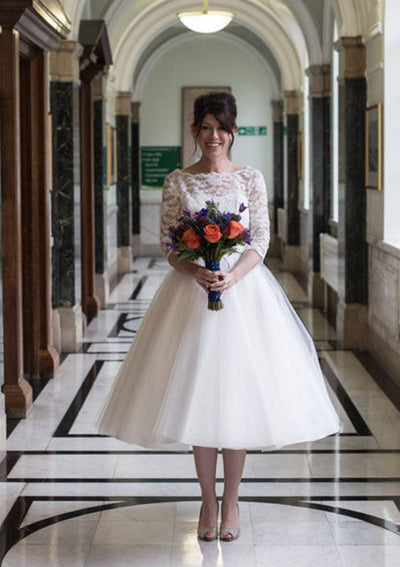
point(213, 140)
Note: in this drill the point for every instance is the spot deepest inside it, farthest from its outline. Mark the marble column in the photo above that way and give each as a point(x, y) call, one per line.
point(318, 217)
point(352, 311)
point(18, 392)
point(293, 107)
point(100, 187)
point(278, 190)
point(64, 103)
point(123, 120)
point(135, 174)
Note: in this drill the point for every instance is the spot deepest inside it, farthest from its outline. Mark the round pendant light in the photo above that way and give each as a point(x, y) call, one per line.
point(206, 21)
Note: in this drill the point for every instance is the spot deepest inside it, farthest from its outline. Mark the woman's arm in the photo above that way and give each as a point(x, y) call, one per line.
point(205, 278)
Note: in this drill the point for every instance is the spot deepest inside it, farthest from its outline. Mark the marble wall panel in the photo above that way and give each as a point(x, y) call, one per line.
point(384, 295)
point(150, 209)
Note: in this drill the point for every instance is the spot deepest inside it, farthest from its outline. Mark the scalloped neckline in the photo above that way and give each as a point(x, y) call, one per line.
point(245, 168)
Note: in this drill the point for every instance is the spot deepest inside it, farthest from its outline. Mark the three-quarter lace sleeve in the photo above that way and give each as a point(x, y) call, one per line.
point(258, 210)
point(170, 209)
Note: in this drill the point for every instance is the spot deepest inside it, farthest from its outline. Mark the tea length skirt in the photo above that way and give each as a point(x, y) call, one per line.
point(245, 377)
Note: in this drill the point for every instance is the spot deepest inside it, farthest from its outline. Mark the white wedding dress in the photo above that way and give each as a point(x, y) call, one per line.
point(245, 377)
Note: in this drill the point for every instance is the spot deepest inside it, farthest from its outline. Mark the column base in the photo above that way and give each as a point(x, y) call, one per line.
point(124, 259)
point(316, 290)
point(3, 428)
point(49, 361)
point(68, 325)
point(18, 398)
point(292, 258)
point(102, 286)
point(352, 325)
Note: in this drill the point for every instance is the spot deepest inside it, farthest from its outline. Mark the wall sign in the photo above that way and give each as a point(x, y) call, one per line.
point(157, 162)
point(252, 130)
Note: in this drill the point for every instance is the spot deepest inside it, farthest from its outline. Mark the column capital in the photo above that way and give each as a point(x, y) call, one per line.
point(320, 80)
point(135, 106)
point(64, 62)
point(123, 103)
point(293, 102)
point(352, 57)
point(277, 110)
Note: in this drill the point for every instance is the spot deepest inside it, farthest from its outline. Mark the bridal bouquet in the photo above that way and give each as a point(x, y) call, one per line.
point(208, 234)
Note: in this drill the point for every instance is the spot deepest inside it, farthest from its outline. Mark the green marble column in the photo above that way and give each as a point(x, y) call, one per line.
point(123, 125)
point(65, 211)
point(352, 313)
point(319, 101)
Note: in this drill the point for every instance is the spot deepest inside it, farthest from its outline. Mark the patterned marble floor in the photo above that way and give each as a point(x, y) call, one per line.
point(71, 498)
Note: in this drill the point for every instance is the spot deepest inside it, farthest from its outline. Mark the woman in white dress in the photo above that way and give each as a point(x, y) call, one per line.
point(246, 377)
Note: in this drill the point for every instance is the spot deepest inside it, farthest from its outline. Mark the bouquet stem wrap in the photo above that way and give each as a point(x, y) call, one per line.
point(214, 297)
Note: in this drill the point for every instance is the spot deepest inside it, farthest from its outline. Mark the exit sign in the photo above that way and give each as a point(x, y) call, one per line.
point(252, 130)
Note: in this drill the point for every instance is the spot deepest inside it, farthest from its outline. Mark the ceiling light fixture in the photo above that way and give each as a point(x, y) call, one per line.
point(206, 21)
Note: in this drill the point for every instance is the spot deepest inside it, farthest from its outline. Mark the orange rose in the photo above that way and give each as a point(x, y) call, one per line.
point(233, 229)
point(212, 233)
point(191, 238)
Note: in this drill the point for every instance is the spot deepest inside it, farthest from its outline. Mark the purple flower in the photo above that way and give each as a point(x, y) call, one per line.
point(242, 207)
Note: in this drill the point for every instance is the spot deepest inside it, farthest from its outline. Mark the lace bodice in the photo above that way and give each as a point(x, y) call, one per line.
point(186, 190)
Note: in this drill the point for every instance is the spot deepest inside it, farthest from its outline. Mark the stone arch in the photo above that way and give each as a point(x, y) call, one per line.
point(142, 30)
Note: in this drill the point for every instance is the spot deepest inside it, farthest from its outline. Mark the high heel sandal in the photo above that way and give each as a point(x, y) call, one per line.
point(229, 534)
point(207, 534)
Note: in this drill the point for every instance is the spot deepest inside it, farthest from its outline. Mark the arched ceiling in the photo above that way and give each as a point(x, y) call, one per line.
point(288, 34)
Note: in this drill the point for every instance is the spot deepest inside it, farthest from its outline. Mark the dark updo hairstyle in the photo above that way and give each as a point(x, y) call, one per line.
point(221, 105)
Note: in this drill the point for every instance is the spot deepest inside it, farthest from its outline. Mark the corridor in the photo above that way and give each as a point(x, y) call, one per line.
point(71, 498)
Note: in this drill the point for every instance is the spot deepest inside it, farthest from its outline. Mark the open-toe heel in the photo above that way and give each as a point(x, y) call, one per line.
point(229, 534)
point(207, 534)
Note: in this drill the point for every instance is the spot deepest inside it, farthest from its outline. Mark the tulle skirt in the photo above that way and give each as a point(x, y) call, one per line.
point(245, 377)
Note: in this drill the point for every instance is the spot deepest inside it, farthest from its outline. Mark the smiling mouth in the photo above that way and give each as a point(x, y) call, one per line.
point(213, 145)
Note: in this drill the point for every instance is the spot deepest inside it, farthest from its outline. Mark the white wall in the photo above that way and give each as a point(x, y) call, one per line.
point(392, 124)
point(209, 61)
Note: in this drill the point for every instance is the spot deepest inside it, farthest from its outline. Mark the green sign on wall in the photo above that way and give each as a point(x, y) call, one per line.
point(157, 162)
point(252, 130)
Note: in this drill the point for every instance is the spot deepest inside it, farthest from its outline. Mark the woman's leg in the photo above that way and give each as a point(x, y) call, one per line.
point(205, 459)
point(233, 469)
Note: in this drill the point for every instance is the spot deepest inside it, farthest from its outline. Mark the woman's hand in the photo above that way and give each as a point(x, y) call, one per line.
point(205, 278)
point(224, 282)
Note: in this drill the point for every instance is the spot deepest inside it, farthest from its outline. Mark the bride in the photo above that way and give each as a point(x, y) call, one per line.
point(246, 377)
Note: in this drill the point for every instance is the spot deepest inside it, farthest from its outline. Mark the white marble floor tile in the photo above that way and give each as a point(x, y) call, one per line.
point(79, 530)
point(117, 555)
point(380, 465)
point(215, 554)
point(270, 465)
point(158, 466)
point(297, 556)
point(65, 466)
point(370, 555)
point(384, 509)
point(282, 513)
point(44, 509)
point(109, 347)
point(359, 532)
point(118, 530)
point(57, 555)
point(292, 533)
